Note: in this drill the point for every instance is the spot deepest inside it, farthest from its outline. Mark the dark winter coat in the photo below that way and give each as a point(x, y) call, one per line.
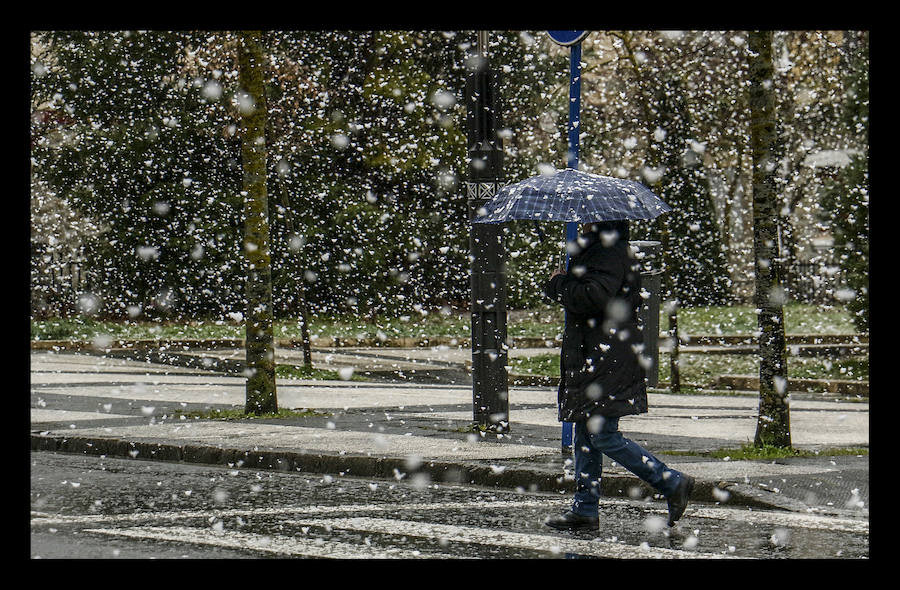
point(600, 369)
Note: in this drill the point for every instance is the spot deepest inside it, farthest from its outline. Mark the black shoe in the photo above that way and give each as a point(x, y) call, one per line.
point(570, 521)
point(678, 501)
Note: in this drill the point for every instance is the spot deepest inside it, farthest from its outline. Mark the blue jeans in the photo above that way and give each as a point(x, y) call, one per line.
point(600, 436)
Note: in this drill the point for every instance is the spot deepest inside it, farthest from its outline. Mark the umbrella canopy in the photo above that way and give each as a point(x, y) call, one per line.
point(572, 196)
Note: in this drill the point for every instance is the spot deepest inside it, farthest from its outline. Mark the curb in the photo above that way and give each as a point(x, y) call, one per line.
point(465, 472)
point(300, 461)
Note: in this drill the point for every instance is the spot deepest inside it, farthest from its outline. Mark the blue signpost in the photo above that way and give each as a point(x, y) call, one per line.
point(571, 39)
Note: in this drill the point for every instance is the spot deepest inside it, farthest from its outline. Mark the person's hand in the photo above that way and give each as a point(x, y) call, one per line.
point(558, 271)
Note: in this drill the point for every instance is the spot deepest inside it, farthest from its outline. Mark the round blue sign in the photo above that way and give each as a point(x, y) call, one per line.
point(567, 37)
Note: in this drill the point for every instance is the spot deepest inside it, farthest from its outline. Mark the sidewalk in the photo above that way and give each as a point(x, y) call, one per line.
point(418, 430)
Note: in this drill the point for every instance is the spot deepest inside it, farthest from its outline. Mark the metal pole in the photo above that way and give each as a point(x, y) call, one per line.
point(490, 389)
point(482, 44)
point(574, 104)
point(573, 149)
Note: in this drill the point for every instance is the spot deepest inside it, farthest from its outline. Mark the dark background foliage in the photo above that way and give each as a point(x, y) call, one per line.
point(138, 132)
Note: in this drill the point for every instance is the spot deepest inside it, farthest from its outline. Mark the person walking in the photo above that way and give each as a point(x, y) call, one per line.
point(602, 376)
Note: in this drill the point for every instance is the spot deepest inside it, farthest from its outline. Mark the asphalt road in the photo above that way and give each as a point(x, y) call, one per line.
point(112, 508)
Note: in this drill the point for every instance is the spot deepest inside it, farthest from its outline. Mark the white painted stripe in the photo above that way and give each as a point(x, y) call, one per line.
point(803, 520)
point(277, 544)
point(45, 415)
point(494, 537)
point(787, 519)
point(45, 519)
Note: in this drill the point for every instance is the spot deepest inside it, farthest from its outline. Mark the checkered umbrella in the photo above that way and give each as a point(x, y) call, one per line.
point(572, 196)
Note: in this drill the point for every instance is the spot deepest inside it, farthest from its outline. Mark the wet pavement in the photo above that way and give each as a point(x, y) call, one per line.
point(190, 511)
point(106, 404)
point(389, 467)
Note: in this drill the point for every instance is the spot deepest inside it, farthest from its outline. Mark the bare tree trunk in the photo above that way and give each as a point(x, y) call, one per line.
point(260, 342)
point(773, 425)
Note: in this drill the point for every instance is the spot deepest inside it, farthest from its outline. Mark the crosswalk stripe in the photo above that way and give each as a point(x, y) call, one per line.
point(277, 544)
point(45, 519)
point(785, 519)
point(494, 537)
point(804, 520)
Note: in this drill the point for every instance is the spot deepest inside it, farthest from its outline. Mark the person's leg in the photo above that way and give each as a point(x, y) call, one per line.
point(605, 436)
point(588, 462)
point(588, 470)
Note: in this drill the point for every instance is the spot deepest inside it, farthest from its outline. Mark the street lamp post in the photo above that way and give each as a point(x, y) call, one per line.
point(490, 389)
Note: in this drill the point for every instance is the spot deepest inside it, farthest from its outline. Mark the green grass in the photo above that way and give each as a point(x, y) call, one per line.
point(741, 320)
point(301, 372)
point(417, 325)
point(703, 369)
point(749, 452)
point(544, 322)
point(542, 364)
point(87, 329)
point(239, 414)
